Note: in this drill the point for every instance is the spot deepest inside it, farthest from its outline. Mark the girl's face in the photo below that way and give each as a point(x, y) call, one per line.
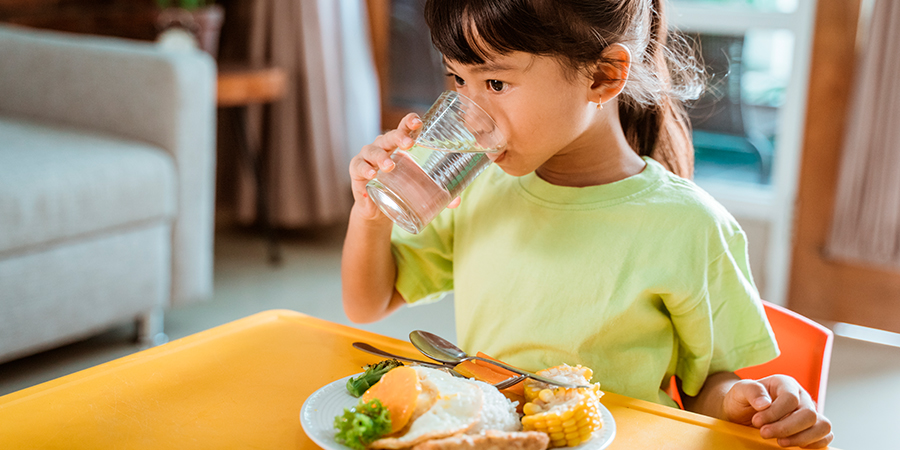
point(542, 112)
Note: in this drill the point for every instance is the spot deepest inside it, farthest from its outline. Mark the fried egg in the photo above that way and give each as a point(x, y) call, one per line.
point(445, 406)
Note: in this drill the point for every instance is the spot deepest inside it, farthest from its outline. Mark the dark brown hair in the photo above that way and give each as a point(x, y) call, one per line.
point(663, 72)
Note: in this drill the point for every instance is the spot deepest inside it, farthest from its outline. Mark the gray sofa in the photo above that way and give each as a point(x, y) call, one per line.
point(107, 159)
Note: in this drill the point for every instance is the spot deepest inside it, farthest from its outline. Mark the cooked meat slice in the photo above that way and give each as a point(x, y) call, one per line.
point(490, 440)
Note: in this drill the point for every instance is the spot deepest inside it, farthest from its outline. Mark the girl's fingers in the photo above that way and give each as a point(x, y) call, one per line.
point(787, 397)
point(822, 443)
point(362, 168)
point(792, 424)
point(410, 122)
point(792, 416)
point(817, 436)
point(744, 400)
point(378, 154)
point(401, 137)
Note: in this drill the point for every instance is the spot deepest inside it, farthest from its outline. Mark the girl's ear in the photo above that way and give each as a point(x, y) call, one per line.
point(610, 73)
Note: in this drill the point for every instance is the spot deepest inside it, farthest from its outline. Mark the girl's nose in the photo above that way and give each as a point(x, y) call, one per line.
point(481, 100)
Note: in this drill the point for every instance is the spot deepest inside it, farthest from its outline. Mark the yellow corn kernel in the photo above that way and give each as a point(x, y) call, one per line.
point(531, 409)
point(546, 395)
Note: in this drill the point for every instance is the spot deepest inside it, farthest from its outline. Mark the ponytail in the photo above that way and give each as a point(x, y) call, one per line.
point(661, 130)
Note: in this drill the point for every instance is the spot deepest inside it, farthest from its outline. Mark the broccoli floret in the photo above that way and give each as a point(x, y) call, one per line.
point(363, 424)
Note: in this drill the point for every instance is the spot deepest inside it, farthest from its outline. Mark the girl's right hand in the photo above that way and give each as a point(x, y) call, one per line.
point(375, 156)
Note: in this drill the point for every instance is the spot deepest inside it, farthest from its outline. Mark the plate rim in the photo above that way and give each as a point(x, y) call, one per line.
point(609, 426)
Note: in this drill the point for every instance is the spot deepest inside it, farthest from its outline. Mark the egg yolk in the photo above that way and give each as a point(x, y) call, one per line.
point(398, 391)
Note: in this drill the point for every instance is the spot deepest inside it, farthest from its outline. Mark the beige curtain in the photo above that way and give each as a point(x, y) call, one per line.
point(332, 107)
point(866, 222)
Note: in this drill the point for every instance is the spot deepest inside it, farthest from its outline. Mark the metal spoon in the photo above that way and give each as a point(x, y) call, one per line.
point(440, 349)
point(377, 351)
point(449, 367)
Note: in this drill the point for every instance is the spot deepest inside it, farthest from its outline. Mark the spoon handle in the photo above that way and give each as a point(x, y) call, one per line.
point(377, 351)
point(529, 374)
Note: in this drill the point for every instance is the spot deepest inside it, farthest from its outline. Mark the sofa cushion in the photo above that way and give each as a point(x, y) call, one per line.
point(58, 183)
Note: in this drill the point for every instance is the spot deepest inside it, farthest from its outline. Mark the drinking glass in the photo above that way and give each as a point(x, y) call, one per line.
point(449, 152)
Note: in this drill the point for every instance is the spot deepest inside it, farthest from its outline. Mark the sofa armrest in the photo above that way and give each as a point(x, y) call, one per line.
point(135, 90)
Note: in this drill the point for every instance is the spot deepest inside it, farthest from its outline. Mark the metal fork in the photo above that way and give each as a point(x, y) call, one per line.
point(510, 382)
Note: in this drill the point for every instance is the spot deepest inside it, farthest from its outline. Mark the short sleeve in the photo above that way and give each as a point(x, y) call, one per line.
point(724, 327)
point(425, 260)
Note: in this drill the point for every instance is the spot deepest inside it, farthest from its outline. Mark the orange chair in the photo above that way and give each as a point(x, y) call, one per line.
point(805, 353)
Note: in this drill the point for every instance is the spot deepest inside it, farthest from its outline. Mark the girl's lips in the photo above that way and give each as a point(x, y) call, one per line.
point(496, 157)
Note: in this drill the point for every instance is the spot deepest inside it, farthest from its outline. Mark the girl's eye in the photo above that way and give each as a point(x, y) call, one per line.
point(459, 81)
point(496, 86)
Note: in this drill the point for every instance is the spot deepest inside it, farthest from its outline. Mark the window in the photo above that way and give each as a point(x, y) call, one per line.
point(735, 122)
point(748, 126)
point(747, 47)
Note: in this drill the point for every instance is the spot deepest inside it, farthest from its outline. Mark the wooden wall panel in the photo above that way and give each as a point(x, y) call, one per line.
point(822, 288)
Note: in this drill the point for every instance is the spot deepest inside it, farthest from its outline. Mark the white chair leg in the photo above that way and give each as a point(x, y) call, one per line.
point(150, 328)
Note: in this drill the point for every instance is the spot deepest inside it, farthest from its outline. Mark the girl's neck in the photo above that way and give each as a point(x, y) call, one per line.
point(600, 156)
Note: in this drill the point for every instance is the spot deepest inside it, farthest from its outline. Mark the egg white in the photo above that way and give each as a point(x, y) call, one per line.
point(446, 406)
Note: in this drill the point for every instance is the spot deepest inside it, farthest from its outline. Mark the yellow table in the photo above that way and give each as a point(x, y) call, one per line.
point(241, 385)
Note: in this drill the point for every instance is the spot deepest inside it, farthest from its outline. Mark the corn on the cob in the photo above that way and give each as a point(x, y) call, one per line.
point(568, 416)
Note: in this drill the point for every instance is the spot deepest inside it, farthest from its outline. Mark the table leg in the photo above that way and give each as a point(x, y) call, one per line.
point(255, 160)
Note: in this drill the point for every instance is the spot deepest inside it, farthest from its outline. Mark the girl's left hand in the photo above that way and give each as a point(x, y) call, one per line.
point(781, 409)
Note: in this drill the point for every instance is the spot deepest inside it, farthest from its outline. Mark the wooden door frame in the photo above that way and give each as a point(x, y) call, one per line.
point(821, 287)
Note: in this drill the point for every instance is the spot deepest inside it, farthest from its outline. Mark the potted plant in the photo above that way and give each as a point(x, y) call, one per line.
point(202, 18)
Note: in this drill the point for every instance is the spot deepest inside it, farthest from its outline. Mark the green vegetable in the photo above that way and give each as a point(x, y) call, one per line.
point(359, 385)
point(363, 424)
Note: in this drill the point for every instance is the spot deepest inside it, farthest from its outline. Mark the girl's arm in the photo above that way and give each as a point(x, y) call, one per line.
point(368, 270)
point(709, 401)
point(777, 405)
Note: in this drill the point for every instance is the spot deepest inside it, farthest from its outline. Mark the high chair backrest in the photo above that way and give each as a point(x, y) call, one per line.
point(805, 352)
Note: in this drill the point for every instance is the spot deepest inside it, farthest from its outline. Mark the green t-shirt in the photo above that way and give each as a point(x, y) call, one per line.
point(638, 279)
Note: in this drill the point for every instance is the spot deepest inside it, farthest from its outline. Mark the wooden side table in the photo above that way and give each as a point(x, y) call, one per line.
point(237, 88)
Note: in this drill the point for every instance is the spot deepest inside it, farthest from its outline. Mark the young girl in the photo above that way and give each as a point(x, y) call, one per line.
point(581, 244)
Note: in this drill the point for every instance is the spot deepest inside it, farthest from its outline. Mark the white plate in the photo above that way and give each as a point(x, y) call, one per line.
point(319, 410)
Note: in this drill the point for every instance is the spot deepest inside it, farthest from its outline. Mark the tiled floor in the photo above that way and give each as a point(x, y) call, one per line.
point(863, 391)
